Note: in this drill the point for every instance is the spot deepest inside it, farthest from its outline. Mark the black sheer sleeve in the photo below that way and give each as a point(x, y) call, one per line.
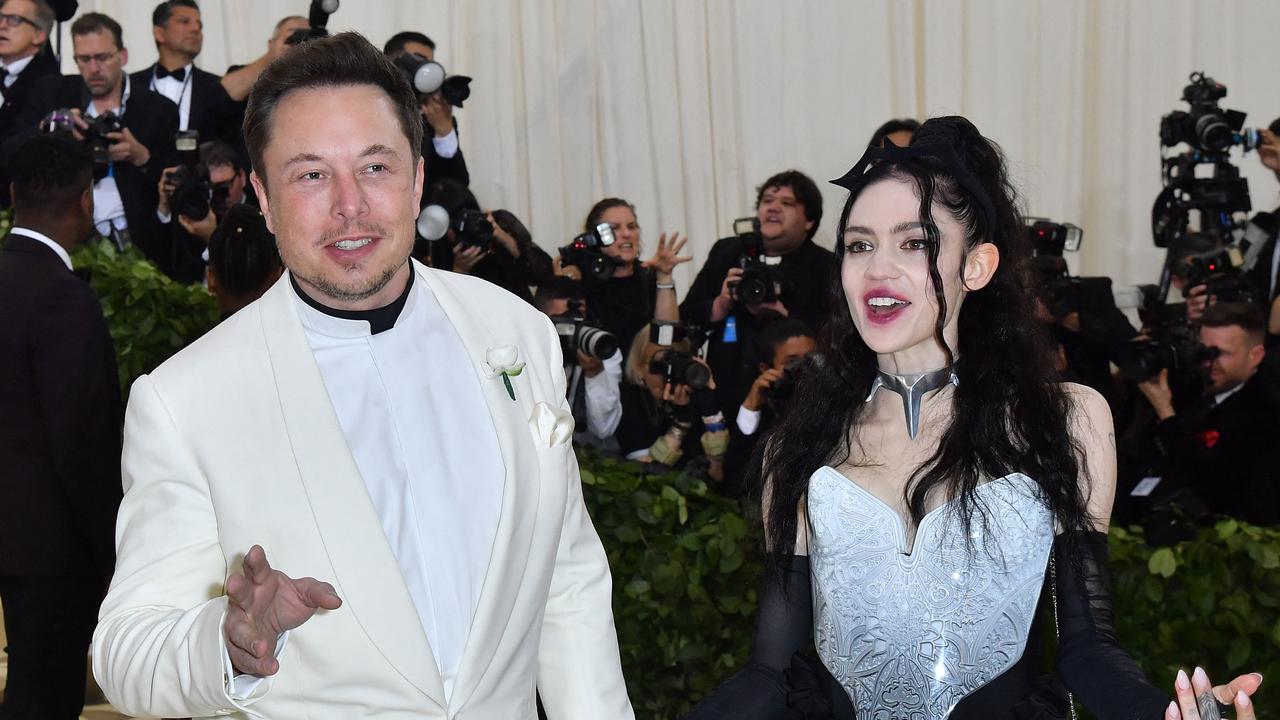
point(1105, 680)
point(784, 626)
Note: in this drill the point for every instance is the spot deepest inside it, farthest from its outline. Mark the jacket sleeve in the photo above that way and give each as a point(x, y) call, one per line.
point(579, 665)
point(696, 308)
point(1103, 677)
point(777, 682)
point(158, 647)
point(75, 379)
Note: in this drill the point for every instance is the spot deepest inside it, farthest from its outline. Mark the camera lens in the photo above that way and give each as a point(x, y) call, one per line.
point(596, 342)
point(697, 376)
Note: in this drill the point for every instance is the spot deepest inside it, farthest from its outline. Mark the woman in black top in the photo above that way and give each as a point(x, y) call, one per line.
point(637, 292)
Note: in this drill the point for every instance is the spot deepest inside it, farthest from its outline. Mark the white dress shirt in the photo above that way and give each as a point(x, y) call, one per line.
point(108, 206)
point(416, 420)
point(16, 67)
point(604, 396)
point(45, 239)
point(177, 92)
point(447, 146)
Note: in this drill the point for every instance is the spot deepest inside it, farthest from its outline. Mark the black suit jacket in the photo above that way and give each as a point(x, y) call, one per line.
point(153, 120)
point(60, 419)
point(15, 97)
point(1227, 453)
point(436, 167)
point(213, 113)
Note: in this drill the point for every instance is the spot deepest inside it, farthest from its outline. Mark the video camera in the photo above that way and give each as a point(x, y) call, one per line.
point(760, 282)
point(584, 252)
point(95, 135)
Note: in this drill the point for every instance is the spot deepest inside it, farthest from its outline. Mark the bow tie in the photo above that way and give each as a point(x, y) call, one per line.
point(180, 74)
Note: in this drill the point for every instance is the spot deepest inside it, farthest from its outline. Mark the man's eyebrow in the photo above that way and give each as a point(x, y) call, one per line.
point(302, 158)
point(372, 150)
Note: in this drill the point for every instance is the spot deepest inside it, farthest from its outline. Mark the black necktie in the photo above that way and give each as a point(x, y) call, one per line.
point(180, 74)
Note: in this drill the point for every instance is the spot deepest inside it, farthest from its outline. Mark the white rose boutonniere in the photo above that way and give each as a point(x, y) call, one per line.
point(503, 360)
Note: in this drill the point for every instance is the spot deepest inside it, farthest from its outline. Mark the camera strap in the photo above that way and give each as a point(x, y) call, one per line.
point(912, 389)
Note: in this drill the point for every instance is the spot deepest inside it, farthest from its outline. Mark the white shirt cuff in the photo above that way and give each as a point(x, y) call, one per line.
point(240, 687)
point(748, 420)
point(163, 217)
point(447, 146)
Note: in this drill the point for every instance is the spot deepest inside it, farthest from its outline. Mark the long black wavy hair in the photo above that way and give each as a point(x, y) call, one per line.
point(1009, 415)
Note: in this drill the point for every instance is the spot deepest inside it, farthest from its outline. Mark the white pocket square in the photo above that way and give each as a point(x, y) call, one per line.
point(552, 425)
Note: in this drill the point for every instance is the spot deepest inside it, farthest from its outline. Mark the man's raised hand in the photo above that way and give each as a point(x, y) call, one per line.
point(263, 603)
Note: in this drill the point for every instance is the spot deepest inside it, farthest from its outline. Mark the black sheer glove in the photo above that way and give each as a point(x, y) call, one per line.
point(1103, 677)
point(784, 626)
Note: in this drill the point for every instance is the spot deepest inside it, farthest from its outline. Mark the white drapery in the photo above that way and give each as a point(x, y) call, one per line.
point(684, 106)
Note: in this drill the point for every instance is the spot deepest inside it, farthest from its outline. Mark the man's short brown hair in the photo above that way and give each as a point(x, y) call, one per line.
point(341, 60)
point(1246, 316)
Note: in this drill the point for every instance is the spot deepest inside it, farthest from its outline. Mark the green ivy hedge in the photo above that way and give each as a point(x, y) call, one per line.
point(686, 567)
point(150, 316)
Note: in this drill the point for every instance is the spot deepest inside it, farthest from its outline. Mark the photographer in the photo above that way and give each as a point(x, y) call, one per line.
point(198, 197)
point(788, 210)
point(593, 382)
point(625, 293)
point(239, 80)
point(669, 412)
point(782, 347)
point(26, 57)
point(493, 246)
point(1223, 448)
point(243, 260)
point(1265, 273)
point(441, 151)
point(130, 128)
point(203, 104)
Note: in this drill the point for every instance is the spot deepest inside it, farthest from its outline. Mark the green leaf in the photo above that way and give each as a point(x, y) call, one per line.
point(1162, 563)
point(1227, 528)
point(1239, 652)
point(626, 534)
point(588, 477)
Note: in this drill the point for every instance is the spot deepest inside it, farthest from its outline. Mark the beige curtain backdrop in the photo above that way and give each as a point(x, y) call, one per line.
point(684, 106)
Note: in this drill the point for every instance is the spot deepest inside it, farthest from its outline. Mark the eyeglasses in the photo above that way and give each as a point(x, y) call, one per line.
point(100, 58)
point(13, 21)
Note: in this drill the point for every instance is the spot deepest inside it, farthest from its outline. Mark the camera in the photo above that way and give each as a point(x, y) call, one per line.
point(576, 334)
point(427, 76)
point(1207, 127)
point(1218, 194)
point(1221, 272)
point(318, 17)
point(95, 135)
point(1057, 289)
point(585, 252)
point(680, 368)
point(760, 281)
point(1174, 350)
point(471, 228)
point(192, 192)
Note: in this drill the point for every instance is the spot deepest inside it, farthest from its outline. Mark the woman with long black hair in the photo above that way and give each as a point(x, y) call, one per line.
point(933, 485)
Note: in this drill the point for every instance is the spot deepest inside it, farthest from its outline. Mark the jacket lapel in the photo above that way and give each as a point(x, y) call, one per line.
point(520, 493)
point(367, 576)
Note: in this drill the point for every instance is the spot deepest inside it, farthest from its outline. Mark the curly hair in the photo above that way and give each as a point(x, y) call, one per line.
point(1009, 415)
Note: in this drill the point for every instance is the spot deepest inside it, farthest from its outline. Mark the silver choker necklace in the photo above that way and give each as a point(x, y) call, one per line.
point(912, 388)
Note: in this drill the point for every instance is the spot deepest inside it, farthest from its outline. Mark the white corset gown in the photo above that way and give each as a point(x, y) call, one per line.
point(910, 635)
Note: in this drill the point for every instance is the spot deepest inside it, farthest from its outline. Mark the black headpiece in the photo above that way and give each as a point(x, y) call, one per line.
point(936, 149)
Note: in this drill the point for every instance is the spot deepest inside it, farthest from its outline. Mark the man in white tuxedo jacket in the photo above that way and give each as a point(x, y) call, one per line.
point(393, 438)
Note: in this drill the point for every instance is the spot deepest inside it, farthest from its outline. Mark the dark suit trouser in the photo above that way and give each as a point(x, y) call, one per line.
point(49, 624)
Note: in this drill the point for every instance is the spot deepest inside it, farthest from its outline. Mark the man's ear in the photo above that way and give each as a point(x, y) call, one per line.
point(980, 265)
point(264, 204)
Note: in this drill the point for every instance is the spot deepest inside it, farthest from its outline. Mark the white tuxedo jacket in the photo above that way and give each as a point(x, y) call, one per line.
point(234, 441)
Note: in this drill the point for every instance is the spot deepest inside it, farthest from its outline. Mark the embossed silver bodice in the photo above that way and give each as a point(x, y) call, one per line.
point(910, 634)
